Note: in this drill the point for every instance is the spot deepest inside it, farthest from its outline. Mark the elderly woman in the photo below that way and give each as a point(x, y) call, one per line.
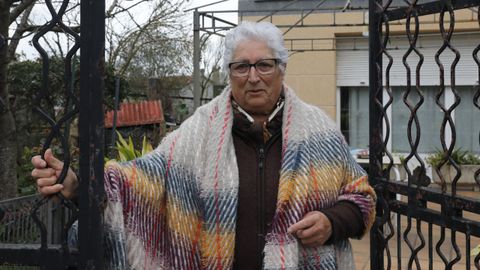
point(254, 179)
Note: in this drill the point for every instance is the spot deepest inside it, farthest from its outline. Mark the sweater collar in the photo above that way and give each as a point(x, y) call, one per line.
point(258, 131)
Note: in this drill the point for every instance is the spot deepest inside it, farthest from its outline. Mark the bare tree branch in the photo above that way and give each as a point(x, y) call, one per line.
point(19, 9)
point(207, 61)
point(133, 39)
point(35, 28)
point(109, 37)
point(17, 35)
point(77, 5)
point(50, 46)
point(59, 45)
point(110, 9)
point(112, 14)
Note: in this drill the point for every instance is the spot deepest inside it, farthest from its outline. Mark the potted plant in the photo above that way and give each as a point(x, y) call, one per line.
point(401, 167)
point(468, 164)
point(475, 251)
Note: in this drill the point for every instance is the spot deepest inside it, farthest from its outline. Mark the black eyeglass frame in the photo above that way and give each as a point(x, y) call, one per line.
point(277, 62)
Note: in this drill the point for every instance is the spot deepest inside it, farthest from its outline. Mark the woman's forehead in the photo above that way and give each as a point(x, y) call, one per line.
point(251, 49)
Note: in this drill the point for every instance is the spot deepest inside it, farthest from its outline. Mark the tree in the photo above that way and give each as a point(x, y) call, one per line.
point(212, 56)
point(154, 46)
point(158, 40)
point(129, 38)
point(9, 13)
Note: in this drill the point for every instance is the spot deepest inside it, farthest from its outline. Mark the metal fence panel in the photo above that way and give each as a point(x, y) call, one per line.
point(35, 231)
point(416, 221)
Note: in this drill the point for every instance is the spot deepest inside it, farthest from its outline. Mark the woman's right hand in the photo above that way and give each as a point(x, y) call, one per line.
point(46, 172)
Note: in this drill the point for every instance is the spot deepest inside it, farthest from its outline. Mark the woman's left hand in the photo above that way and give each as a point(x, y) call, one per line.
point(313, 230)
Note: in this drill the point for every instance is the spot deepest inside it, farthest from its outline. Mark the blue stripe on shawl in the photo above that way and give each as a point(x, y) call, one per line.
point(316, 259)
point(152, 165)
point(227, 209)
point(180, 185)
point(319, 147)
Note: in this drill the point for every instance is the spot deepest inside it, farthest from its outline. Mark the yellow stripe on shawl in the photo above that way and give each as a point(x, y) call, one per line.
point(141, 185)
point(318, 179)
point(182, 223)
point(360, 185)
point(210, 242)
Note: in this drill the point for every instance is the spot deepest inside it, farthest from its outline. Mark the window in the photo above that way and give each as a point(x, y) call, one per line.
point(354, 119)
point(429, 116)
point(467, 120)
point(354, 116)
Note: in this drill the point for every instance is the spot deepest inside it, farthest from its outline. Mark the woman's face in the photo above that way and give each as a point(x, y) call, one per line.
point(255, 93)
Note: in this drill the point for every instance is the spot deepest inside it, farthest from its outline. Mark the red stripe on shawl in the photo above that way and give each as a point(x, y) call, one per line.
point(153, 249)
point(317, 258)
point(194, 244)
point(305, 258)
point(226, 119)
point(282, 253)
point(154, 235)
point(131, 183)
point(287, 129)
point(352, 186)
point(128, 185)
point(316, 189)
point(212, 115)
point(283, 221)
point(169, 164)
point(170, 155)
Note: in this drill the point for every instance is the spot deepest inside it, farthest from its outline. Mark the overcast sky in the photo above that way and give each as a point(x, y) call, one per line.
point(228, 5)
point(27, 49)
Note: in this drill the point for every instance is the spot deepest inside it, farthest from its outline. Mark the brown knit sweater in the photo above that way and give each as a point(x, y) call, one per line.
point(259, 162)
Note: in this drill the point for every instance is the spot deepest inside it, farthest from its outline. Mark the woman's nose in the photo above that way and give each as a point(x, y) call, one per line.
point(253, 75)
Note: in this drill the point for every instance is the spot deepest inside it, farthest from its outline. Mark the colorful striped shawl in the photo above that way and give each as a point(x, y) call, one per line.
point(176, 207)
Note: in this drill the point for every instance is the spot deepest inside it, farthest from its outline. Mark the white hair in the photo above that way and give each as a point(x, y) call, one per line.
point(260, 31)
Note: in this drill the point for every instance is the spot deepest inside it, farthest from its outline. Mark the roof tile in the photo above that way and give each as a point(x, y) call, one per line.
point(136, 114)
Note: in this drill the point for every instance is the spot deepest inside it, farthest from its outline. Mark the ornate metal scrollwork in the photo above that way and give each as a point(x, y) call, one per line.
point(57, 123)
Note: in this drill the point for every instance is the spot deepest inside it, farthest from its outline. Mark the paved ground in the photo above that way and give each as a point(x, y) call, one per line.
point(361, 248)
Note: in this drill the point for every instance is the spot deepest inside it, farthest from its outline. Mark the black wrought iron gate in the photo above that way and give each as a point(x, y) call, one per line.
point(88, 254)
point(442, 217)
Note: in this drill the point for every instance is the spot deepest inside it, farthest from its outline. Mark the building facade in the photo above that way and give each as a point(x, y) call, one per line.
point(328, 67)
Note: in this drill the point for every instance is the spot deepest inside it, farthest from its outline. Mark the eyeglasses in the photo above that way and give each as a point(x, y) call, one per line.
point(263, 67)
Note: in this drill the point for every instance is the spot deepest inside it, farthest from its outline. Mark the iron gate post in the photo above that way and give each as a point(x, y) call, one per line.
point(375, 125)
point(91, 134)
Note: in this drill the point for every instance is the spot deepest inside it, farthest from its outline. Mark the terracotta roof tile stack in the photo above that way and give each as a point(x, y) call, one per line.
point(136, 114)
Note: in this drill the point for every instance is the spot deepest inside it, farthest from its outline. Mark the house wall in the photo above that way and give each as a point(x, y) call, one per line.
point(313, 73)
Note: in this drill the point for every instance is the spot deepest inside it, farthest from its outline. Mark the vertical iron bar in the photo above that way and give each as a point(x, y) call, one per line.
point(467, 251)
point(375, 78)
point(115, 111)
point(91, 133)
point(399, 241)
point(430, 246)
point(375, 82)
point(196, 59)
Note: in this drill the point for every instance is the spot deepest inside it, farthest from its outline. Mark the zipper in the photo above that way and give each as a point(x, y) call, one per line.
point(261, 150)
point(261, 204)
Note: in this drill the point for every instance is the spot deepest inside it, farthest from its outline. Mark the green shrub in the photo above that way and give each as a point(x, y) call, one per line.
point(460, 157)
point(126, 149)
point(25, 182)
point(475, 251)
